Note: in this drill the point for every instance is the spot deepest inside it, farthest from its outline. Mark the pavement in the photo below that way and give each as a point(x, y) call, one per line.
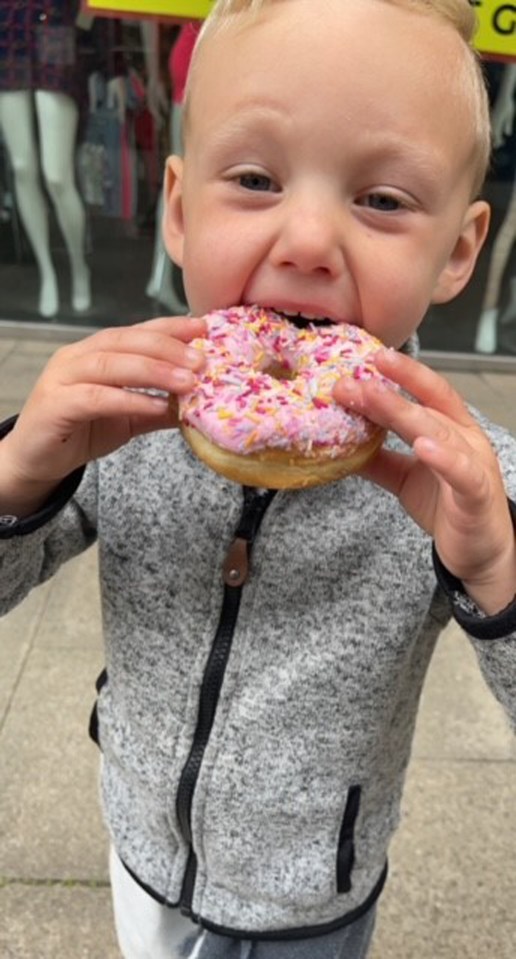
point(452, 888)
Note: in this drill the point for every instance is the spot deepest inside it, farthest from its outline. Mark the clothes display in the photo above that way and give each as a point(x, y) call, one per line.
point(74, 130)
point(165, 283)
point(38, 46)
point(106, 157)
point(43, 48)
point(179, 59)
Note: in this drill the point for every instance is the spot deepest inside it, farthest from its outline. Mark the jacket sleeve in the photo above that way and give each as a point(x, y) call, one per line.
point(33, 548)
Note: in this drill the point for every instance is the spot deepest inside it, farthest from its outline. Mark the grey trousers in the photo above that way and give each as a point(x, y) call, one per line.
point(147, 930)
point(350, 942)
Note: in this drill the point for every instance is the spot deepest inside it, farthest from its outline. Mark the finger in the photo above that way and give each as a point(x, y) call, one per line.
point(389, 470)
point(132, 370)
point(393, 410)
point(88, 402)
point(160, 337)
point(157, 421)
point(429, 388)
point(463, 470)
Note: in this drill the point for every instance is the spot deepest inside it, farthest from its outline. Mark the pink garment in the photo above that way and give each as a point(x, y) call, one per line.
point(179, 59)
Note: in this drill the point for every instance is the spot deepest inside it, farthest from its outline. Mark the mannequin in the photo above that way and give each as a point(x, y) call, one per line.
point(161, 285)
point(57, 118)
point(42, 89)
point(503, 125)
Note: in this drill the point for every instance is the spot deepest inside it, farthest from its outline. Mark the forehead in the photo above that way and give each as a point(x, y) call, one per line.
point(340, 52)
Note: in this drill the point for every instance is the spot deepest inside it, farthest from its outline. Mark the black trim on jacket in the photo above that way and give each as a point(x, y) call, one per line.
point(276, 935)
point(14, 526)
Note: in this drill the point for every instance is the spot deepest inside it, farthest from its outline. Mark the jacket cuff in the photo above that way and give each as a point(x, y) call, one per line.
point(11, 526)
point(466, 612)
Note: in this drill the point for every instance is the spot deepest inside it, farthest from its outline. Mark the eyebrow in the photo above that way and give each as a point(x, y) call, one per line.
point(385, 148)
point(245, 127)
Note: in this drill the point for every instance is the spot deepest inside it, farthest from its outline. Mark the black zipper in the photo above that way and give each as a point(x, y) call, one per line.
point(235, 574)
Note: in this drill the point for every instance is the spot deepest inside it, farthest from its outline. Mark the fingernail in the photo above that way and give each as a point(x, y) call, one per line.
point(182, 378)
point(347, 389)
point(348, 384)
point(192, 357)
point(388, 354)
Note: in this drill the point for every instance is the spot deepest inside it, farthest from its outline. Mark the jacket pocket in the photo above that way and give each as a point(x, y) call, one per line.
point(93, 728)
point(346, 849)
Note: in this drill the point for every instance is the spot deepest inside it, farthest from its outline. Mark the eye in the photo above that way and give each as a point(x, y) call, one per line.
point(383, 202)
point(257, 182)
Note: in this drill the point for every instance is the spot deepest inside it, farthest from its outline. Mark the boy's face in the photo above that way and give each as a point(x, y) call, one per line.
point(327, 167)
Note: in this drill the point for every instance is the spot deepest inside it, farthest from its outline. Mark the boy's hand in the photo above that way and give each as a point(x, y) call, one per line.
point(87, 402)
point(451, 484)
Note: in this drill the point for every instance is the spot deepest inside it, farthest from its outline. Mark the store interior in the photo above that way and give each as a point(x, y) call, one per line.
point(119, 155)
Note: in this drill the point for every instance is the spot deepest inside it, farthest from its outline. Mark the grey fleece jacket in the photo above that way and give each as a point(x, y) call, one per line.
point(254, 763)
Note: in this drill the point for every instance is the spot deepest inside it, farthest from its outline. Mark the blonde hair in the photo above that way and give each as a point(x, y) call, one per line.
point(459, 14)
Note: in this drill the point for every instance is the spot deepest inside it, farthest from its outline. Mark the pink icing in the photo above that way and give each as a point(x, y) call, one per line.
point(239, 406)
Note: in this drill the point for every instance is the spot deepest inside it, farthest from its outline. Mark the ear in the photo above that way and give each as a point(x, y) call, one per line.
point(463, 257)
point(173, 226)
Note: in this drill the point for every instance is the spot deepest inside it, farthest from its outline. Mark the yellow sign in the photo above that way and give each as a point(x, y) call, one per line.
point(496, 34)
point(178, 9)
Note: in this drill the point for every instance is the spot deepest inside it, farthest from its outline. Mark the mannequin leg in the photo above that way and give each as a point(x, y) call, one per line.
point(509, 314)
point(17, 123)
point(487, 331)
point(486, 337)
point(57, 120)
point(161, 281)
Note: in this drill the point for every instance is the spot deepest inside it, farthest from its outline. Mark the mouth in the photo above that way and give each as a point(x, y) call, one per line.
point(302, 321)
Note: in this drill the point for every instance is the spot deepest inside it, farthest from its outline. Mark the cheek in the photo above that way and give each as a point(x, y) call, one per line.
point(396, 308)
point(220, 256)
point(209, 278)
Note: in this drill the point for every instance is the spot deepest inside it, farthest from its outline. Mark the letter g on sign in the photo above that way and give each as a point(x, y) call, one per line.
point(504, 20)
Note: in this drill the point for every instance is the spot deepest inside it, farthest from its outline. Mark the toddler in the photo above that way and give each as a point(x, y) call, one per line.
point(255, 738)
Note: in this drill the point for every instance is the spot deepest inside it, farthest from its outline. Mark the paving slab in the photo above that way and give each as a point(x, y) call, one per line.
point(50, 823)
point(474, 387)
point(56, 922)
point(8, 407)
point(494, 394)
point(452, 884)
point(42, 348)
point(6, 348)
point(459, 718)
point(17, 632)
point(19, 374)
point(503, 384)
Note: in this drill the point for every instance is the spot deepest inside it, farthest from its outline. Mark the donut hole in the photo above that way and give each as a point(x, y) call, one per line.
point(279, 372)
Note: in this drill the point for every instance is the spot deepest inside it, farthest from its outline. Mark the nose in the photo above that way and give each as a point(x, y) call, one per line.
point(309, 239)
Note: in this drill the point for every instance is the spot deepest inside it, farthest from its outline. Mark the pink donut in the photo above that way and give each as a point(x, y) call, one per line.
point(262, 412)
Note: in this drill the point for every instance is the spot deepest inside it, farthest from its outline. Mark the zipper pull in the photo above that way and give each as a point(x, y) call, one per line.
point(236, 563)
